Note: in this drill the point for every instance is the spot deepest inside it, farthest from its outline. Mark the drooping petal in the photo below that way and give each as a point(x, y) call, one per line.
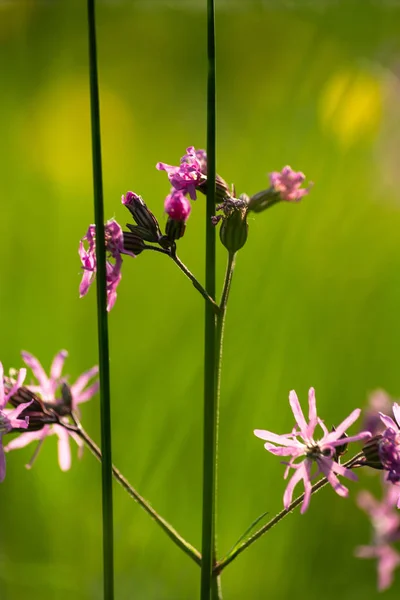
point(14, 414)
point(64, 450)
point(326, 466)
point(26, 438)
point(284, 451)
point(307, 486)
point(299, 474)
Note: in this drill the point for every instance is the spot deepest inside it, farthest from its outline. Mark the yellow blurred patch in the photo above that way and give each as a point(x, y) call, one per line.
point(350, 106)
point(58, 120)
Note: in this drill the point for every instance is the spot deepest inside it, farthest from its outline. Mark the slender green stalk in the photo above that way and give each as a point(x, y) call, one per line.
point(169, 530)
point(241, 547)
point(195, 282)
point(210, 391)
point(102, 322)
point(172, 254)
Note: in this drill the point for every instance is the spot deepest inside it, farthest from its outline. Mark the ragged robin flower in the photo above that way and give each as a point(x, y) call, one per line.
point(306, 452)
point(114, 241)
point(285, 186)
point(52, 390)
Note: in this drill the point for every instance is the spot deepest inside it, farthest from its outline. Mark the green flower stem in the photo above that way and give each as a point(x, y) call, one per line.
point(172, 254)
point(354, 462)
point(102, 321)
point(195, 282)
point(210, 363)
point(169, 530)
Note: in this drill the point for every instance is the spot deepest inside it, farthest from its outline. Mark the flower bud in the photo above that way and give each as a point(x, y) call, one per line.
point(371, 451)
point(285, 185)
point(149, 227)
point(133, 242)
point(221, 188)
point(178, 208)
point(234, 227)
point(263, 200)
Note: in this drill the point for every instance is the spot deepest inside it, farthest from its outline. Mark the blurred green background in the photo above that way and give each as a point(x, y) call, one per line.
point(314, 301)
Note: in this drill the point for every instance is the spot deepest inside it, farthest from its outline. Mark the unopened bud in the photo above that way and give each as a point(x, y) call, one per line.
point(144, 218)
point(372, 454)
point(133, 242)
point(174, 230)
point(234, 227)
point(222, 190)
point(263, 200)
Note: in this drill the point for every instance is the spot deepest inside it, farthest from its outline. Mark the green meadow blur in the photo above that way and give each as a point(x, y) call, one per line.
point(314, 299)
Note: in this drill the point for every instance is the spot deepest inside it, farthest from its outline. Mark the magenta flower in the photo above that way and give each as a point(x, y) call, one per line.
point(389, 446)
point(177, 206)
point(9, 418)
point(302, 445)
point(115, 247)
point(288, 184)
point(385, 521)
point(189, 174)
point(48, 388)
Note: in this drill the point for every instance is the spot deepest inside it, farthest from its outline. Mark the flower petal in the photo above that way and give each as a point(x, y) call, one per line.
point(396, 412)
point(37, 369)
point(64, 450)
point(341, 429)
point(388, 422)
point(57, 364)
point(2, 461)
point(298, 413)
point(283, 440)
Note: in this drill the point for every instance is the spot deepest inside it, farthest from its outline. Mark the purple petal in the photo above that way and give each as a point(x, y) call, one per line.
point(396, 412)
point(87, 394)
point(388, 422)
point(36, 368)
point(279, 451)
point(14, 414)
point(298, 475)
point(307, 487)
point(326, 466)
point(364, 435)
point(26, 438)
point(83, 380)
point(2, 461)
point(57, 364)
point(312, 412)
point(2, 396)
point(20, 380)
point(298, 413)
point(283, 440)
point(64, 450)
point(341, 429)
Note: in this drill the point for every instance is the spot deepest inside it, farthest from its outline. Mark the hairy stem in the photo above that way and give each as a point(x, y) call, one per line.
point(354, 462)
point(196, 283)
point(169, 530)
point(102, 321)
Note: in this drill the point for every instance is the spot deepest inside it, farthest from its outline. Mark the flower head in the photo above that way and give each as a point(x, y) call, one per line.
point(189, 174)
point(301, 445)
point(114, 242)
point(9, 418)
point(389, 446)
point(385, 521)
point(52, 391)
point(288, 184)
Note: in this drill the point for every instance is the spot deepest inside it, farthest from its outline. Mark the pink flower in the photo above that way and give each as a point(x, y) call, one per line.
point(177, 206)
point(115, 247)
point(9, 418)
point(321, 452)
point(378, 402)
point(385, 521)
point(189, 174)
point(287, 183)
point(48, 388)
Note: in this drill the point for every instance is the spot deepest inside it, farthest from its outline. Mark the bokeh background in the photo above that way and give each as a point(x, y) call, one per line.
point(314, 300)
